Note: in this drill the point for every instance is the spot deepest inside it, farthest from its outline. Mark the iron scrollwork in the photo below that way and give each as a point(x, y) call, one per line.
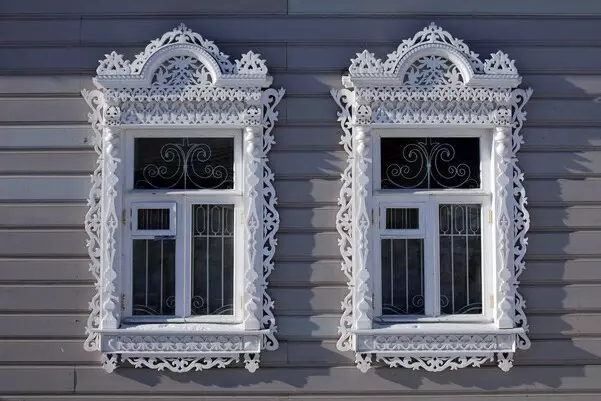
point(411, 163)
point(184, 164)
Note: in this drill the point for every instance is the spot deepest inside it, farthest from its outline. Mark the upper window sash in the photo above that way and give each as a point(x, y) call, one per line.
point(485, 147)
point(130, 134)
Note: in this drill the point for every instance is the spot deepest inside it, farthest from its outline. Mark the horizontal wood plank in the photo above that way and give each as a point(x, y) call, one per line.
point(60, 162)
point(79, 58)
point(547, 111)
point(44, 188)
point(342, 380)
point(150, 7)
point(39, 270)
point(49, 243)
point(530, 59)
point(434, 8)
point(290, 327)
point(293, 30)
point(50, 136)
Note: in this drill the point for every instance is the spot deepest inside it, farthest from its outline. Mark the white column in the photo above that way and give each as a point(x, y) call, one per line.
point(109, 297)
point(253, 222)
point(504, 275)
point(363, 296)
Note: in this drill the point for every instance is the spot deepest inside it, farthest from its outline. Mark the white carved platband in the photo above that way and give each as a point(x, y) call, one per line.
point(181, 345)
point(436, 344)
point(182, 94)
point(180, 79)
point(432, 80)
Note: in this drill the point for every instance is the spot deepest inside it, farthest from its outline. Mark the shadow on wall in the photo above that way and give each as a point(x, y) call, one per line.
point(558, 159)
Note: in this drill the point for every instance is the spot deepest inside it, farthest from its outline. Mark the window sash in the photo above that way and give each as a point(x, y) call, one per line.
point(184, 270)
point(486, 169)
point(131, 133)
point(429, 210)
point(184, 199)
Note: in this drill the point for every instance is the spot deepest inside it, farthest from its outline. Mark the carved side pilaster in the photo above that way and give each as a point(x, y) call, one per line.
point(253, 172)
point(109, 298)
point(344, 217)
point(271, 218)
point(504, 272)
point(93, 218)
point(363, 296)
point(519, 98)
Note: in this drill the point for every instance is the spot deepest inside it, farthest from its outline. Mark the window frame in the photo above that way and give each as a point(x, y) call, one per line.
point(427, 201)
point(184, 199)
point(228, 99)
point(391, 96)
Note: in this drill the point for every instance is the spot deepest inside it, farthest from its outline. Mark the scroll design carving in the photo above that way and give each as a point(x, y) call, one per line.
point(176, 344)
point(93, 218)
point(344, 217)
point(519, 212)
point(433, 80)
point(434, 364)
point(182, 71)
point(432, 70)
point(180, 365)
point(271, 217)
point(435, 343)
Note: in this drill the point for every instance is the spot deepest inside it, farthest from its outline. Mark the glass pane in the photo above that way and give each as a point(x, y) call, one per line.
point(184, 163)
point(212, 259)
point(430, 163)
point(402, 276)
point(153, 219)
point(460, 259)
point(402, 219)
point(153, 277)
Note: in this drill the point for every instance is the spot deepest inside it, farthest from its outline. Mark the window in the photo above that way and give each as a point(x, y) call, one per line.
point(184, 271)
point(430, 202)
point(432, 220)
point(182, 217)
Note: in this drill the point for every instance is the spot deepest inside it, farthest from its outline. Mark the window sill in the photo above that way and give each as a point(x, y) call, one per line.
point(180, 340)
point(436, 339)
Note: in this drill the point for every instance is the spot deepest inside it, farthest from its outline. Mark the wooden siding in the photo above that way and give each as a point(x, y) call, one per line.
point(49, 51)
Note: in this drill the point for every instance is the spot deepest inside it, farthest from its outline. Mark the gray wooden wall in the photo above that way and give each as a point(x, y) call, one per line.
point(49, 51)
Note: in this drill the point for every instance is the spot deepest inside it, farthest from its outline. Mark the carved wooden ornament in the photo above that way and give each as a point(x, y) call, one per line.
point(181, 80)
point(432, 80)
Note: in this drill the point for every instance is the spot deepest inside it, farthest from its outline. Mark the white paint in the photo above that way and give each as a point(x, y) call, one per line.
point(130, 95)
point(463, 95)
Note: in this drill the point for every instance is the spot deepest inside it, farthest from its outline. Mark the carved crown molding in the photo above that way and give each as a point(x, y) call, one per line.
point(432, 80)
point(181, 79)
point(402, 67)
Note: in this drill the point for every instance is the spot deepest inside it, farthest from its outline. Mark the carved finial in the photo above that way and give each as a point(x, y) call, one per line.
point(113, 64)
point(500, 63)
point(505, 361)
point(251, 362)
point(363, 362)
point(251, 64)
point(365, 63)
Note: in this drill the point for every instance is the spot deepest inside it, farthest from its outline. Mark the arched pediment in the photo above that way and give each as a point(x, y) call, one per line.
point(433, 57)
point(182, 58)
point(434, 65)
